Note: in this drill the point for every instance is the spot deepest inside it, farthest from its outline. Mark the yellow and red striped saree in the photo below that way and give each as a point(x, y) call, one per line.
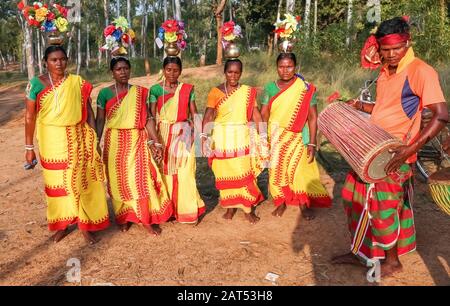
point(72, 168)
point(179, 164)
point(234, 163)
point(134, 182)
point(292, 180)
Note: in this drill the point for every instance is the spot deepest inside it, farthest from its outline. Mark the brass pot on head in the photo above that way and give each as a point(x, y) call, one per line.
point(232, 51)
point(286, 46)
point(172, 49)
point(55, 38)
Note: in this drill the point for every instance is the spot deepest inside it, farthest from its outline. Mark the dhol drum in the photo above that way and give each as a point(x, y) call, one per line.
point(439, 183)
point(363, 145)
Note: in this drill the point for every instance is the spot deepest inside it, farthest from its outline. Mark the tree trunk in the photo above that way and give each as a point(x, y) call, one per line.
point(79, 50)
point(349, 22)
point(133, 50)
point(29, 48)
point(39, 51)
point(443, 6)
point(69, 45)
point(270, 43)
point(3, 61)
point(307, 12)
point(99, 55)
point(177, 10)
point(315, 17)
point(88, 51)
point(275, 39)
point(118, 8)
point(290, 5)
point(105, 14)
point(219, 20)
point(154, 29)
point(165, 9)
point(105, 11)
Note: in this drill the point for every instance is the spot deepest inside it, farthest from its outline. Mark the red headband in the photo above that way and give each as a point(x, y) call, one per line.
point(393, 39)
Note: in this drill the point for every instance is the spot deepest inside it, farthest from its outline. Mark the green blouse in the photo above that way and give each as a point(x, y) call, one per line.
point(35, 86)
point(157, 91)
point(104, 96)
point(271, 90)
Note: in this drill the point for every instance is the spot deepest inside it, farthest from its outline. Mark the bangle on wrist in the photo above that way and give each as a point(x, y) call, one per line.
point(158, 145)
point(312, 145)
point(29, 147)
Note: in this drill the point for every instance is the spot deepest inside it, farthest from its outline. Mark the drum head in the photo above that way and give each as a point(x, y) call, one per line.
point(375, 170)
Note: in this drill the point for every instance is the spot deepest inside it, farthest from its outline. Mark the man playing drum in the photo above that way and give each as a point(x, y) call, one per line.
point(380, 216)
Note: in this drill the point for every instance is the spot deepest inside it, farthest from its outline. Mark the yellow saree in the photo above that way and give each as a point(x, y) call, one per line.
point(292, 180)
point(234, 162)
point(72, 168)
point(134, 182)
point(179, 164)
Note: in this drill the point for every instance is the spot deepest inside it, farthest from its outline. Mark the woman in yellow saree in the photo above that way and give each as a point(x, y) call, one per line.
point(290, 110)
point(58, 107)
point(233, 160)
point(173, 105)
point(134, 182)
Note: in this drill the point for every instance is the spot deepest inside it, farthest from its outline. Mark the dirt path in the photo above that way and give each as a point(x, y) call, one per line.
point(216, 252)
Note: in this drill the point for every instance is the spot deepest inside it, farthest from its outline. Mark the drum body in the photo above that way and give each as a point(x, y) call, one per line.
point(363, 145)
point(439, 184)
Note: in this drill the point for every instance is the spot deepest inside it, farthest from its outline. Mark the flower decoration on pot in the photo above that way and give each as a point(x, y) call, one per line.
point(287, 30)
point(118, 37)
point(230, 32)
point(48, 19)
point(173, 34)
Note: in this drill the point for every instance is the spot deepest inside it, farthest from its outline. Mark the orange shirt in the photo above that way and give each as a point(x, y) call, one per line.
point(402, 96)
point(214, 97)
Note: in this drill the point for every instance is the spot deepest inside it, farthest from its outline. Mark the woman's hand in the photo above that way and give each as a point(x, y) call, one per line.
point(355, 103)
point(311, 151)
point(31, 160)
point(157, 153)
point(206, 147)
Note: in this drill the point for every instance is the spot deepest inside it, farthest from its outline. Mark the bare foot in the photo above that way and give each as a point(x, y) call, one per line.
point(252, 218)
point(89, 237)
point(307, 213)
point(125, 227)
point(230, 213)
point(346, 259)
point(279, 211)
point(59, 235)
point(153, 229)
point(389, 269)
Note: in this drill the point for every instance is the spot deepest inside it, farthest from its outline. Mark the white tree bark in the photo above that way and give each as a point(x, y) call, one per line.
point(177, 10)
point(307, 13)
point(315, 17)
point(275, 39)
point(349, 22)
point(165, 9)
point(79, 50)
point(28, 44)
point(39, 51)
point(154, 29)
point(133, 53)
point(105, 11)
point(88, 51)
point(290, 5)
point(118, 8)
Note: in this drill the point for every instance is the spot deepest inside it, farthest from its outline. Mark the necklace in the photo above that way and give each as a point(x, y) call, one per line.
point(226, 90)
point(57, 105)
